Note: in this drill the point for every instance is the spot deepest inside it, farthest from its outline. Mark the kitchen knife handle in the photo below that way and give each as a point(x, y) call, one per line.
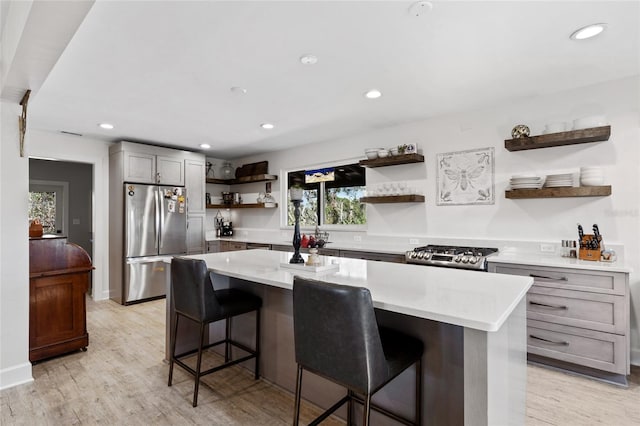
point(549, 278)
point(552, 342)
point(545, 305)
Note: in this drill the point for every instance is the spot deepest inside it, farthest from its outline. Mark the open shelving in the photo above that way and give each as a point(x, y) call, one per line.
point(571, 137)
point(245, 179)
point(581, 191)
point(393, 160)
point(414, 198)
point(241, 206)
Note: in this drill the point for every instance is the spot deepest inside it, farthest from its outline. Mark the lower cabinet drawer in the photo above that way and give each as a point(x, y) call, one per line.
point(595, 311)
point(593, 349)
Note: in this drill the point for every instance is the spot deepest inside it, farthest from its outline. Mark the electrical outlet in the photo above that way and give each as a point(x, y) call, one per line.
point(547, 248)
point(357, 238)
point(413, 241)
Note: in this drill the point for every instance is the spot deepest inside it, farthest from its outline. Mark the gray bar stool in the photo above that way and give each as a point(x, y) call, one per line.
point(337, 337)
point(195, 299)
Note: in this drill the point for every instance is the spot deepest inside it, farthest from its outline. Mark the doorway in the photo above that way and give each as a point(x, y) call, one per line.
point(61, 196)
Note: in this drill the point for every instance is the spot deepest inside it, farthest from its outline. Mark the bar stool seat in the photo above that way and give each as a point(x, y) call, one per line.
point(337, 337)
point(195, 299)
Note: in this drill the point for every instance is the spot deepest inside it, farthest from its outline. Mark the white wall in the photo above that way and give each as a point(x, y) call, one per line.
point(15, 367)
point(531, 219)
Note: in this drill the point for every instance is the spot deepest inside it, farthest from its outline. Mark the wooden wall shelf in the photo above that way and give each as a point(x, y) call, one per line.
point(572, 137)
point(393, 199)
point(245, 179)
point(393, 160)
point(582, 191)
point(240, 206)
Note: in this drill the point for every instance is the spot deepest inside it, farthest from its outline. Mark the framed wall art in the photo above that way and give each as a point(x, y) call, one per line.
point(466, 177)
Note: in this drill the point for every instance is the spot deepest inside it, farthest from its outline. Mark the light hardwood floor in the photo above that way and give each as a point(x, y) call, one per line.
point(123, 380)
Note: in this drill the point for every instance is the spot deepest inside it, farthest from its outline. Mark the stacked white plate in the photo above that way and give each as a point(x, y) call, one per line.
point(526, 182)
point(591, 176)
point(559, 180)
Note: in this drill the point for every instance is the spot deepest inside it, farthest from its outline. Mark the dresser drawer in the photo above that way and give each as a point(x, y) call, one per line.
point(603, 351)
point(594, 311)
point(570, 279)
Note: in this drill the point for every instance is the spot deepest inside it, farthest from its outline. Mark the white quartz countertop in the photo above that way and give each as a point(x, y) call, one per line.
point(557, 261)
point(472, 299)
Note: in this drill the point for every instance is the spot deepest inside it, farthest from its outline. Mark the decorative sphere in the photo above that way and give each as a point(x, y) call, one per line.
point(520, 131)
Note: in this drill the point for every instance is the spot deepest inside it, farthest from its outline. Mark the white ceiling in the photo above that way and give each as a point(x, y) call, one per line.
point(161, 71)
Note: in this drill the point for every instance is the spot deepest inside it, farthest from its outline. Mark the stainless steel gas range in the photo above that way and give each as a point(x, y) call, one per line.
point(474, 258)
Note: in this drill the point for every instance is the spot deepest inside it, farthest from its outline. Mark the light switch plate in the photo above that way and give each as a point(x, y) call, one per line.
point(76, 221)
point(357, 238)
point(413, 241)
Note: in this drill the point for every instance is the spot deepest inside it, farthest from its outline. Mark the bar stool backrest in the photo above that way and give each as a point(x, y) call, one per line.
point(192, 289)
point(336, 334)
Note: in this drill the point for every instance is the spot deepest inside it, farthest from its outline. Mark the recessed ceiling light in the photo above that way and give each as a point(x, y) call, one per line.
point(267, 126)
point(309, 60)
point(373, 94)
point(106, 126)
point(205, 146)
point(588, 31)
point(238, 90)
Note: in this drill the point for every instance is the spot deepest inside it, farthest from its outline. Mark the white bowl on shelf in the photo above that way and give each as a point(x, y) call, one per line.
point(382, 153)
point(371, 153)
point(589, 122)
point(592, 181)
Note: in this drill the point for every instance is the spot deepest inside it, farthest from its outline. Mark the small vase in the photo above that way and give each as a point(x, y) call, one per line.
point(227, 170)
point(313, 259)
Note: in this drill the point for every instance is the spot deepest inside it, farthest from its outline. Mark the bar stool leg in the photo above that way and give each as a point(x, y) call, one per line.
point(419, 392)
point(296, 412)
point(350, 407)
point(227, 346)
point(198, 364)
point(366, 414)
point(172, 355)
point(257, 369)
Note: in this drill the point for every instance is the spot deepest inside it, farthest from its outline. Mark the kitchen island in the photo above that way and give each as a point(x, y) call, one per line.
point(473, 326)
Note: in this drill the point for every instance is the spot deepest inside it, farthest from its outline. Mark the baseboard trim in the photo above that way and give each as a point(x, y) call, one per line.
point(15, 376)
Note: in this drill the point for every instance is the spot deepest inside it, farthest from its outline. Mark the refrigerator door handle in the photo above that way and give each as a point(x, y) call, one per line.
point(162, 224)
point(157, 219)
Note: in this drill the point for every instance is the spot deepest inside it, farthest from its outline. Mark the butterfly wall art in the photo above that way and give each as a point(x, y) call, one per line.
point(466, 177)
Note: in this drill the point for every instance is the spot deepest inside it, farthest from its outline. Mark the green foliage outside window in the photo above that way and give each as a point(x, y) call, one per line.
point(42, 205)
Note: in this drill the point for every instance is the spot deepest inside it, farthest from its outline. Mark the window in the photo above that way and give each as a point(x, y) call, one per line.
point(47, 202)
point(334, 202)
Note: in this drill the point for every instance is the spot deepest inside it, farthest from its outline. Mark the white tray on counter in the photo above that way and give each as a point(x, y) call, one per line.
point(324, 267)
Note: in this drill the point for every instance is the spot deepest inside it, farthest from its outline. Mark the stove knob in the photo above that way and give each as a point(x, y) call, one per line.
point(427, 255)
point(473, 259)
point(457, 258)
point(465, 259)
point(413, 254)
point(420, 255)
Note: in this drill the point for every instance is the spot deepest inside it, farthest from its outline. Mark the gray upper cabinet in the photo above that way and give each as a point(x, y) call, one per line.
point(144, 167)
point(195, 183)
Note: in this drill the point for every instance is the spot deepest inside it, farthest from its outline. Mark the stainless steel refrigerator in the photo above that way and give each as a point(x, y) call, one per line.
point(155, 227)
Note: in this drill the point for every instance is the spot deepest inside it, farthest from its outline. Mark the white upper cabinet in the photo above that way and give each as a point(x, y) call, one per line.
point(139, 167)
point(143, 167)
point(170, 170)
point(195, 182)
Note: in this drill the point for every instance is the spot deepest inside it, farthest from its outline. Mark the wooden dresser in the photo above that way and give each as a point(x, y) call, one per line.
point(58, 280)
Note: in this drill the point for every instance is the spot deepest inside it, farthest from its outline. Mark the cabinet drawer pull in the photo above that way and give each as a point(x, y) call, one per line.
point(552, 342)
point(546, 305)
point(549, 278)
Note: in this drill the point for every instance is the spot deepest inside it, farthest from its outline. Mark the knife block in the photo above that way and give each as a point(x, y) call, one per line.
point(588, 253)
